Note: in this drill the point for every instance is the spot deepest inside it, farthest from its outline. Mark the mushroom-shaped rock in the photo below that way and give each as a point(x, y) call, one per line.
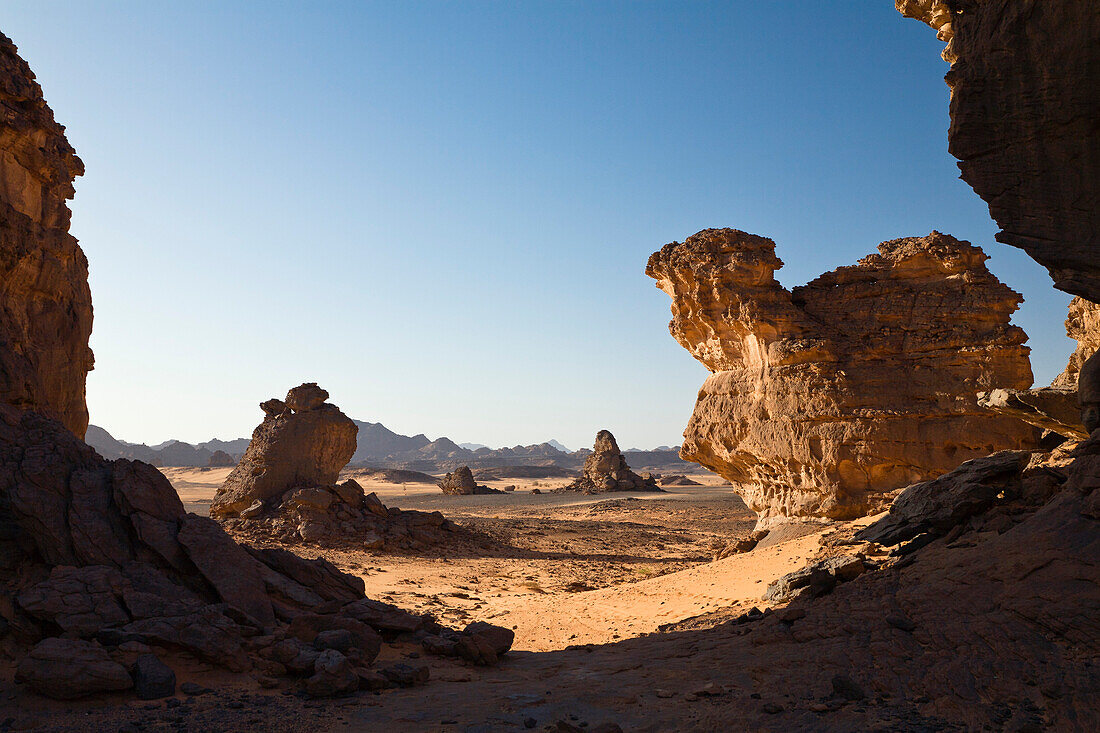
point(824, 399)
point(303, 446)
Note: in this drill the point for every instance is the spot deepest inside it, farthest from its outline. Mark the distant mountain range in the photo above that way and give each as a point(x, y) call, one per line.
point(380, 447)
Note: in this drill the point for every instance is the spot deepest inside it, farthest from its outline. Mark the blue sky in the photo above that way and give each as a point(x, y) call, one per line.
point(442, 211)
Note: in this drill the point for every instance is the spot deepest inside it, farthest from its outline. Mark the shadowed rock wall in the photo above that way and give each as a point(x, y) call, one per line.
point(1025, 106)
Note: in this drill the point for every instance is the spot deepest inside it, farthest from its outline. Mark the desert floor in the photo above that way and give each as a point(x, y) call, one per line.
point(561, 569)
point(606, 594)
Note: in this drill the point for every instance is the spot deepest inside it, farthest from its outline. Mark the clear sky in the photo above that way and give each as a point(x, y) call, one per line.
point(442, 211)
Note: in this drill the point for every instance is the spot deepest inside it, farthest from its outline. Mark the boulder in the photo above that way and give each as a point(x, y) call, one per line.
point(304, 445)
point(824, 399)
point(605, 469)
point(333, 676)
point(1024, 105)
point(153, 679)
point(67, 669)
point(461, 481)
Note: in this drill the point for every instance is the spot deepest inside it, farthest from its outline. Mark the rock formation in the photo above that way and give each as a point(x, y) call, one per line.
point(1024, 105)
point(45, 303)
point(1057, 408)
point(825, 398)
point(605, 469)
point(302, 442)
point(1047, 408)
point(338, 515)
point(221, 459)
point(1083, 326)
point(461, 481)
point(284, 488)
point(99, 563)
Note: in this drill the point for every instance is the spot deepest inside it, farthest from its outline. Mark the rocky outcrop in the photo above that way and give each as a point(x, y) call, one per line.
point(45, 303)
point(1060, 407)
point(99, 562)
point(461, 481)
point(1024, 105)
point(605, 469)
point(221, 459)
point(1047, 408)
point(1083, 326)
point(825, 398)
point(302, 442)
point(340, 515)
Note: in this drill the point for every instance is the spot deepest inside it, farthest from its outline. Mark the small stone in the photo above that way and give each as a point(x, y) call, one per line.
point(153, 679)
point(847, 688)
point(404, 675)
point(899, 621)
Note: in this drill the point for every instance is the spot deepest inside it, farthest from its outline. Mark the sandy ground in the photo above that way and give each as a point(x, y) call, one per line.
point(611, 598)
point(562, 569)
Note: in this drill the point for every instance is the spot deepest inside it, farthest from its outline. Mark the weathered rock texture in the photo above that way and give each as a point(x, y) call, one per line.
point(1047, 408)
point(1024, 105)
point(461, 481)
point(99, 555)
point(1083, 326)
point(339, 515)
point(1065, 407)
point(863, 381)
point(605, 469)
point(45, 303)
point(302, 442)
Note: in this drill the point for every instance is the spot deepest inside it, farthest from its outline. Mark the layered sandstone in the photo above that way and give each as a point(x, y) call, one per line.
point(605, 469)
point(302, 442)
point(1024, 105)
point(825, 398)
point(45, 303)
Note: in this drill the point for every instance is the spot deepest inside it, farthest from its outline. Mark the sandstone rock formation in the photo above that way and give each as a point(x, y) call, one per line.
point(1024, 105)
point(339, 515)
point(1056, 410)
point(284, 488)
point(605, 469)
point(825, 398)
point(1083, 326)
point(461, 481)
point(99, 562)
point(302, 442)
point(45, 303)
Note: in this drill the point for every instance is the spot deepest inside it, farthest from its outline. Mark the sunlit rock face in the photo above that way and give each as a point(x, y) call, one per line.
point(825, 398)
point(1083, 326)
point(1024, 108)
point(45, 303)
